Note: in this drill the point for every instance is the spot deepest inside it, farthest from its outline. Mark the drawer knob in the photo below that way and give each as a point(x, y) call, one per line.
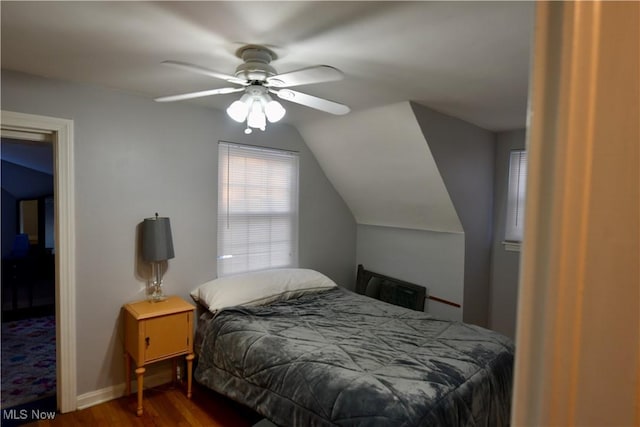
point(146, 340)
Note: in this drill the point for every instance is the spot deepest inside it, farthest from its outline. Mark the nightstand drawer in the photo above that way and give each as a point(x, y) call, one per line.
point(167, 336)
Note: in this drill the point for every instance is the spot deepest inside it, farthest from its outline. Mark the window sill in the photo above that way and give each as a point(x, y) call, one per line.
point(512, 246)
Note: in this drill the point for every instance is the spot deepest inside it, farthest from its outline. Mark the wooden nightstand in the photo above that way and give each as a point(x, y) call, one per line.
point(155, 331)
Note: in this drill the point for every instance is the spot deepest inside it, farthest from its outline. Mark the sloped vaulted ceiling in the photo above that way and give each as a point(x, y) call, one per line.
point(381, 164)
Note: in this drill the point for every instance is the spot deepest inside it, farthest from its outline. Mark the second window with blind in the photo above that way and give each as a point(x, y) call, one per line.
point(257, 208)
point(516, 194)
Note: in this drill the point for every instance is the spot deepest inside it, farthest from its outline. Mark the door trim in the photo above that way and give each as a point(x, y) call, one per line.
point(61, 131)
point(578, 326)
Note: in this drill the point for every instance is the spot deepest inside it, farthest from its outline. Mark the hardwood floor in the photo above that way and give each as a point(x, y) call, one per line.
point(165, 405)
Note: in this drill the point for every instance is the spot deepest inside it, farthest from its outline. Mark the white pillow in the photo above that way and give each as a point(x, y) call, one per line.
point(260, 287)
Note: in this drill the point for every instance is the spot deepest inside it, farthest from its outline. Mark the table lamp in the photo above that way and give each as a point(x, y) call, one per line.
point(157, 246)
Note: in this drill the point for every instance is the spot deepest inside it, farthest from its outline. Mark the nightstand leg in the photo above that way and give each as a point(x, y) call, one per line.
point(189, 358)
point(140, 376)
point(127, 373)
point(174, 370)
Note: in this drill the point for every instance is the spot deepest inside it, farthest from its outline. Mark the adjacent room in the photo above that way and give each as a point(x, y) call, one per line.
point(268, 213)
point(28, 270)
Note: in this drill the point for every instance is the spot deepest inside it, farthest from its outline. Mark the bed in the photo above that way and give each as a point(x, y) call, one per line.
point(318, 354)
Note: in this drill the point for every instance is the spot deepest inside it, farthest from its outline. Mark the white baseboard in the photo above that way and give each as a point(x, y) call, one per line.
point(113, 392)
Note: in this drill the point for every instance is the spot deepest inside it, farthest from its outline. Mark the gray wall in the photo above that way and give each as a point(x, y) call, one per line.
point(134, 157)
point(464, 154)
point(429, 258)
point(504, 264)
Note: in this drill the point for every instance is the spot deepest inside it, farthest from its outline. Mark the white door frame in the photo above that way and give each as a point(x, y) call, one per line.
point(61, 131)
point(577, 349)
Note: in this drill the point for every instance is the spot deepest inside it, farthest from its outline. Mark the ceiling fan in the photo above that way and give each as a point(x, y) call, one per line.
point(258, 79)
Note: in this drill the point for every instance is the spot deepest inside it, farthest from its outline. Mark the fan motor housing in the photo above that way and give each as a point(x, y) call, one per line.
point(256, 63)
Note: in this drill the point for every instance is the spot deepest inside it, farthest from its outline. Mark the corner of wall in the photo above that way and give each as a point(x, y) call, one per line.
point(464, 154)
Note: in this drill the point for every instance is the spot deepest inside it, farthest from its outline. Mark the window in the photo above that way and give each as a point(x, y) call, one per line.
point(515, 199)
point(257, 208)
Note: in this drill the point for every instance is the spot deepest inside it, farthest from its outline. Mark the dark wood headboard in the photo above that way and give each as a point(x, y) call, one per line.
point(418, 292)
point(394, 291)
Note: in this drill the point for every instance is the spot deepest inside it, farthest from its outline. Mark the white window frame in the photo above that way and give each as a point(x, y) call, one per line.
point(257, 208)
point(516, 194)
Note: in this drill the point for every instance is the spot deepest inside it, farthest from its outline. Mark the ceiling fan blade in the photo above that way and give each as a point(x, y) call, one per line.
point(303, 76)
point(200, 94)
point(312, 101)
point(205, 71)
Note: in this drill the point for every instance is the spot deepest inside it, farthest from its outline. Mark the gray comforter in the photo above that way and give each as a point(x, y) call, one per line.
point(338, 358)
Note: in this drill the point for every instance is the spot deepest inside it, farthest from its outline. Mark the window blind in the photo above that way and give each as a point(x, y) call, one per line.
point(516, 196)
point(257, 208)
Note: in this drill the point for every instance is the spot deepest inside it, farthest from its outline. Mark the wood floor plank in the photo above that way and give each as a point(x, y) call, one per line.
point(164, 406)
point(187, 409)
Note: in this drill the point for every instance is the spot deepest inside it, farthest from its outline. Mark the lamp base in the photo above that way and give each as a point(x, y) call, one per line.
point(157, 298)
point(155, 292)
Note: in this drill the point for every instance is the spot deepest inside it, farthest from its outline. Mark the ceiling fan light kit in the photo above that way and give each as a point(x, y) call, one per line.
point(258, 79)
point(256, 107)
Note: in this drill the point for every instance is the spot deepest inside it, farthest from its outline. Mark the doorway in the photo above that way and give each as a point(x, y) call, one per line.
point(28, 242)
point(28, 271)
point(60, 132)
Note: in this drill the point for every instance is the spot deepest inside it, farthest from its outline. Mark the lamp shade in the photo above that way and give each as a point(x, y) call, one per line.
point(238, 111)
point(157, 243)
point(274, 111)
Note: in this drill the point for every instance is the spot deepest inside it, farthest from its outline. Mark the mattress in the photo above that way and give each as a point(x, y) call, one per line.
point(339, 358)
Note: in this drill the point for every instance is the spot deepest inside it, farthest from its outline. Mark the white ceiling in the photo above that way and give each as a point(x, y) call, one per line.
point(467, 59)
